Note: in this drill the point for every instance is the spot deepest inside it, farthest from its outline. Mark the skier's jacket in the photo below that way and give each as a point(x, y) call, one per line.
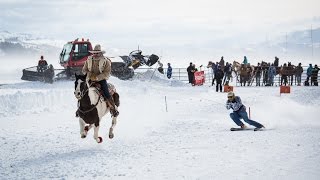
point(236, 104)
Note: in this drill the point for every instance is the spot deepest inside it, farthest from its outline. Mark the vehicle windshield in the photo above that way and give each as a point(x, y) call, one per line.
point(65, 53)
point(80, 51)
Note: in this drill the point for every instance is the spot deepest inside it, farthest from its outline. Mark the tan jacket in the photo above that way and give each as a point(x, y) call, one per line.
point(99, 67)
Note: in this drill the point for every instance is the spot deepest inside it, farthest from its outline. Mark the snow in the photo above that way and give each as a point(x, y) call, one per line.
point(40, 138)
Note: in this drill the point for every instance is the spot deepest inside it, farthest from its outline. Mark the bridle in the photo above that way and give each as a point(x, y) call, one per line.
point(82, 94)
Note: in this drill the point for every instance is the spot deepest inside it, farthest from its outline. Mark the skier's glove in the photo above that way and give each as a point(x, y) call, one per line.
point(228, 105)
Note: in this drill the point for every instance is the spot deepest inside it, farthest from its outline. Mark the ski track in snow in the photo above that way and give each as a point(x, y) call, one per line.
point(40, 138)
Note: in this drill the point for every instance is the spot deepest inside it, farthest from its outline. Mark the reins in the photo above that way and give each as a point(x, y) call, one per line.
point(89, 110)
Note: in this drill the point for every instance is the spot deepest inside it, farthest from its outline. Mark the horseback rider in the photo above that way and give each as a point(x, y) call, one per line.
point(98, 69)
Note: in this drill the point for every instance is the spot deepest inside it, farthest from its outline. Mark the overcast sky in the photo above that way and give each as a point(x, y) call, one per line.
point(158, 24)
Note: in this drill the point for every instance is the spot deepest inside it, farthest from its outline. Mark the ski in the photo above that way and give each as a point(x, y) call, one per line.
point(241, 129)
point(246, 129)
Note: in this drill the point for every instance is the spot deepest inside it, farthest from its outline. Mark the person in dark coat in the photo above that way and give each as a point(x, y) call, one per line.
point(42, 64)
point(219, 76)
point(190, 73)
point(257, 72)
point(276, 61)
point(298, 72)
point(169, 71)
point(314, 75)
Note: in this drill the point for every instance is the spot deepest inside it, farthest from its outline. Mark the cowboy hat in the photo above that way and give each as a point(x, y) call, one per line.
point(97, 49)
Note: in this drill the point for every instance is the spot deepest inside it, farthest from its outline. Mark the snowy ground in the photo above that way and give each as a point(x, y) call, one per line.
point(40, 138)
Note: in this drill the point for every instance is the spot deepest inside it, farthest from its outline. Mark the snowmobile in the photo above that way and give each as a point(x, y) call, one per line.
point(75, 53)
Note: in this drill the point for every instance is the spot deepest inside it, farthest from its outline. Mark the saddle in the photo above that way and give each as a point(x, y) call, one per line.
point(112, 102)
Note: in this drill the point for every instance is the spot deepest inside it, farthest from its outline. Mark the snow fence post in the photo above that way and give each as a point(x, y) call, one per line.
point(165, 100)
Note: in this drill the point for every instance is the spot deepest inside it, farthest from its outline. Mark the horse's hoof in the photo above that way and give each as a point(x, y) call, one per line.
point(99, 140)
point(111, 133)
point(83, 136)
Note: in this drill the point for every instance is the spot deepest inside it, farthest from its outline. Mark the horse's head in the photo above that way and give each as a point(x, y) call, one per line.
point(80, 86)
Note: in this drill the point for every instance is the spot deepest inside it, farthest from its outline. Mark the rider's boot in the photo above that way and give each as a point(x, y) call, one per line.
point(113, 109)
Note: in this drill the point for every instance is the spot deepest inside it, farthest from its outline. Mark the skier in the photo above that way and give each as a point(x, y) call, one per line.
point(239, 111)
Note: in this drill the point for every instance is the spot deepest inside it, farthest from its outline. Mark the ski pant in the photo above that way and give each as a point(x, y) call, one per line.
point(105, 89)
point(236, 116)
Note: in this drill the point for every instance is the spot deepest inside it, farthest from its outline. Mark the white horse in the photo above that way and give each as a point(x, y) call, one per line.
point(91, 108)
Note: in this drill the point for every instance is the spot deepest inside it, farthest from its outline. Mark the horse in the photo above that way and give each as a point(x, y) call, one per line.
point(236, 67)
point(91, 108)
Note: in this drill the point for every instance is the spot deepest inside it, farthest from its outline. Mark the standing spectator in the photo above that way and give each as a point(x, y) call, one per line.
point(298, 73)
point(42, 65)
point(219, 76)
point(212, 66)
point(314, 76)
point(193, 70)
point(284, 74)
point(169, 71)
point(271, 73)
point(245, 60)
point(190, 73)
point(227, 73)
point(221, 63)
point(309, 72)
point(265, 74)
point(276, 61)
point(258, 71)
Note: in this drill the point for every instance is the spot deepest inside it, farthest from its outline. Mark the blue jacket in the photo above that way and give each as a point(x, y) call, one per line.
point(245, 60)
point(236, 104)
point(169, 70)
point(309, 70)
point(272, 71)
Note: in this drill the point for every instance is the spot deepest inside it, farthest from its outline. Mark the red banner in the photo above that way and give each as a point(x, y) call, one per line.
point(199, 78)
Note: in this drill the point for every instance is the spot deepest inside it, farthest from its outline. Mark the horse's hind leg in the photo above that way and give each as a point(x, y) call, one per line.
point(114, 122)
point(96, 136)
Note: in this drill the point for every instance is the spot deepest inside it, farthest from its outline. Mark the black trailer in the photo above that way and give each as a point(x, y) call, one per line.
point(34, 74)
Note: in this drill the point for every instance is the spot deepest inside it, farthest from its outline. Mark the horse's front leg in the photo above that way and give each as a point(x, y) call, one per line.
point(96, 135)
point(114, 122)
point(83, 132)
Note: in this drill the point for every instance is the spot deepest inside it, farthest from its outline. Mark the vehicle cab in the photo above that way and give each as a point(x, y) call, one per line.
point(75, 53)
